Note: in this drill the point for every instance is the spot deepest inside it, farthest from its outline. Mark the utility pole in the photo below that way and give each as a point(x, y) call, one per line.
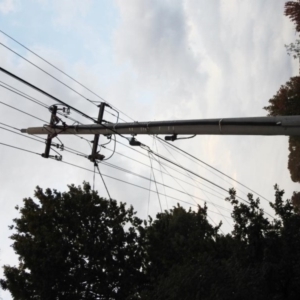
point(281, 125)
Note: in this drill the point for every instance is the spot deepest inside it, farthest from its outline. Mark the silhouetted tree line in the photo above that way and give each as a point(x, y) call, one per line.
point(287, 100)
point(77, 245)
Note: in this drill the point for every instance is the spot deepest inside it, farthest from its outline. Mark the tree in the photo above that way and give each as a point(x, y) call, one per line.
point(294, 158)
point(296, 201)
point(293, 49)
point(75, 245)
point(287, 99)
point(260, 259)
point(292, 10)
point(287, 102)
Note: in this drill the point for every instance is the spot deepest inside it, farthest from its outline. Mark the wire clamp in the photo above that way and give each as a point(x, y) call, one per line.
point(171, 137)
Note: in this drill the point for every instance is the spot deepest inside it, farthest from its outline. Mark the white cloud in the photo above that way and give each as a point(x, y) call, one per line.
point(7, 6)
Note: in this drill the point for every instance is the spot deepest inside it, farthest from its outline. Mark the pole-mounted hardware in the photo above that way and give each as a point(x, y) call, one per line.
point(95, 155)
point(53, 121)
point(171, 137)
point(134, 142)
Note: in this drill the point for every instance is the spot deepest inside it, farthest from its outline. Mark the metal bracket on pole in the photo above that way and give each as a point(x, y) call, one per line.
point(53, 121)
point(95, 155)
point(171, 137)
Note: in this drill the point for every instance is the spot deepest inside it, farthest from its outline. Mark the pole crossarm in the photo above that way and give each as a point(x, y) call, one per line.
point(280, 125)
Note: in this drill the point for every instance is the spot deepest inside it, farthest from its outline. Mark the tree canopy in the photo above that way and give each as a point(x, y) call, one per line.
point(287, 102)
point(292, 10)
point(260, 259)
point(77, 245)
point(287, 99)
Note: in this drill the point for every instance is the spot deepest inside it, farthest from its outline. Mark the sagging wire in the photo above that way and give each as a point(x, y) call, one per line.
point(151, 170)
point(189, 175)
point(161, 174)
point(96, 165)
point(113, 150)
point(155, 181)
point(94, 178)
point(209, 201)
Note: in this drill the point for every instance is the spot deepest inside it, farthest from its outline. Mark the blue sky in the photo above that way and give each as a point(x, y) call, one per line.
point(153, 60)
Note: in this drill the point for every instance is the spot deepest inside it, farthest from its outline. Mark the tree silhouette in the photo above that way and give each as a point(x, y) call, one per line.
point(75, 245)
point(292, 10)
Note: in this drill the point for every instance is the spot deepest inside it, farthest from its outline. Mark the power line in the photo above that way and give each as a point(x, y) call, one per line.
point(22, 149)
point(22, 111)
point(200, 166)
point(103, 181)
point(217, 170)
point(161, 173)
point(58, 100)
point(195, 174)
point(116, 167)
point(155, 183)
point(8, 48)
point(104, 175)
point(47, 122)
point(24, 95)
point(130, 158)
point(129, 183)
point(30, 98)
point(58, 69)
point(37, 118)
point(65, 147)
point(195, 181)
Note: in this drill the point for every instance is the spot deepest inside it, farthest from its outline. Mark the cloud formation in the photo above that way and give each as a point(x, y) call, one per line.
point(7, 6)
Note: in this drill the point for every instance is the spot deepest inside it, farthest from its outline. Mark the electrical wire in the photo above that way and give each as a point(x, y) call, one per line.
point(103, 181)
point(204, 168)
point(94, 178)
point(193, 198)
point(30, 98)
point(155, 183)
point(19, 148)
point(113, 152)
point(28, 114)
point(199, 160)
point(24, 95)
point(10, 126)
point(161, 174)
point(195, 174)
point(58, 69)
point(132, 159)
point(22, 111)
point(58, 100)
point(186, 138)
point(54, 150)
point(113, 166)
point(16, 53)
point(195, 181)
point(104, 175)
point(184, 192)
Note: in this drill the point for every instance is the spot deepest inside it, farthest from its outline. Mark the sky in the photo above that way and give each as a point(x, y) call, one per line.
point(152, 60)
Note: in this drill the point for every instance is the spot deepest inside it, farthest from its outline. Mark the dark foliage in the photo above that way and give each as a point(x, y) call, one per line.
point(292, 10)
point(287, 99)
point(259, 260)
point(75, 245)
point(287, 102)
